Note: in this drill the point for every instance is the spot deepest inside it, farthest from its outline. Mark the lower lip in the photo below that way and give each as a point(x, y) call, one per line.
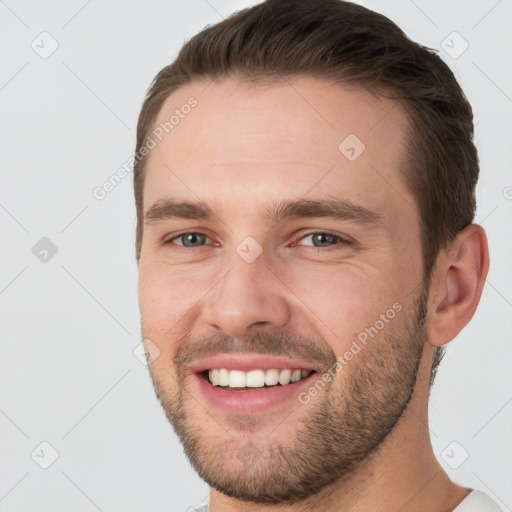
point(251, 400)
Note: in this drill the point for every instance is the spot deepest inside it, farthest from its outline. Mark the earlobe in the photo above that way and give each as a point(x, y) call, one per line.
point(457, 285)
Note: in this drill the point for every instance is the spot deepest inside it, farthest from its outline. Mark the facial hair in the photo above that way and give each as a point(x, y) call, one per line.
point(347, 424)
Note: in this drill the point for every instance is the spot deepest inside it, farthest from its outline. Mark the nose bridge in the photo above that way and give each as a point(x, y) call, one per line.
point(247, 294)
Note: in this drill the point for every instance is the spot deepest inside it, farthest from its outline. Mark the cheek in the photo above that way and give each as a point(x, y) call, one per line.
point(344, 301)
point(164, 299)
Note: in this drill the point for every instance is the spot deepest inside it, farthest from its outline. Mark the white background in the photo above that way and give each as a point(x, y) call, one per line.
point(68, 375)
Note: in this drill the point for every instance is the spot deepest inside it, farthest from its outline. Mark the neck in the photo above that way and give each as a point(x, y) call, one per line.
point(403, 474)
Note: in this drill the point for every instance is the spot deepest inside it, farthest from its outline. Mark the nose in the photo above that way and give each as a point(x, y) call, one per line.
point(249, 298)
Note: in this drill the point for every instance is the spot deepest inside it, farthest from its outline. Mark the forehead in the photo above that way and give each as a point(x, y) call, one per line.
point(303, 109)
point(277, 138)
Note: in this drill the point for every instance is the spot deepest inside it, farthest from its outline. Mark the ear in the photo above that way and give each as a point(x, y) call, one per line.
point(457, 283)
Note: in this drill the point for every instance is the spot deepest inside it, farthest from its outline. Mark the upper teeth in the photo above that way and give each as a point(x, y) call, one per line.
point(255, 378)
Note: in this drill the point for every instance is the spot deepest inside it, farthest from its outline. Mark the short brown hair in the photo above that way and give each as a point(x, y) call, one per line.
point(344, 43)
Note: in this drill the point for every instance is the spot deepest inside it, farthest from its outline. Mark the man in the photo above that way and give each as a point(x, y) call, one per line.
point(304, 186)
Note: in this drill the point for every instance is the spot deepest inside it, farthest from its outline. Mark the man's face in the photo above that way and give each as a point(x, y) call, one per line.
point(255, 296)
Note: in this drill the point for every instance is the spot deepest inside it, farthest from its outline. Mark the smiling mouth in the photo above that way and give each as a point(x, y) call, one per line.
point(238, 380)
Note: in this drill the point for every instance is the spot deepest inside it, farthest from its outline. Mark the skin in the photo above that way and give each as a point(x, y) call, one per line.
point(241, 148)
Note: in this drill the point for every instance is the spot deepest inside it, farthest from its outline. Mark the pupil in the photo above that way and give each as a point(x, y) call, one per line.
point(322, 238)
point(192, 238)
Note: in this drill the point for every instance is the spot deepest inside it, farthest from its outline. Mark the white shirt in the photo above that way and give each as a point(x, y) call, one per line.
point(475, 501)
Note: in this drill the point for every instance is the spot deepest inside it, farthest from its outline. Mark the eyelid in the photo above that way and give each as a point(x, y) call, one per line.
point(171, 239)
point(343, 239)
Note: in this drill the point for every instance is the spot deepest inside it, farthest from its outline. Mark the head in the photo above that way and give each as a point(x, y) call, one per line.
point(329, 106)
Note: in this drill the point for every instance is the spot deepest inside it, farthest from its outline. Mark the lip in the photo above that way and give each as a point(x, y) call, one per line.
point(248, 362)
point(252, 400)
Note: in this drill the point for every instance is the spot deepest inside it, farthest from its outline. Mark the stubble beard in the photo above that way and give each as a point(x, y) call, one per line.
point(347, 424)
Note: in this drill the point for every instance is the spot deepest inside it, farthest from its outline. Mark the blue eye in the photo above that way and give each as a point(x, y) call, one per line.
point(319, 239)
point(194, 239)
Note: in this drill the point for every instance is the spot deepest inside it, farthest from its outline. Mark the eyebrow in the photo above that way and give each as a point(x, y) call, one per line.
point(301, 208)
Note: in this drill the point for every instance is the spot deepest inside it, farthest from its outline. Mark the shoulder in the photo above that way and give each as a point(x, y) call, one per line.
point(477, 501)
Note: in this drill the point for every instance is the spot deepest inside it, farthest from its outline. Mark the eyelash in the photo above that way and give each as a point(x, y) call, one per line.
point(341, 239)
